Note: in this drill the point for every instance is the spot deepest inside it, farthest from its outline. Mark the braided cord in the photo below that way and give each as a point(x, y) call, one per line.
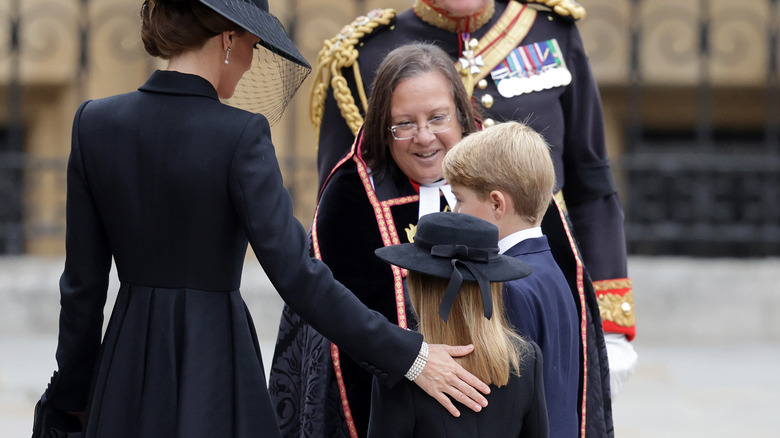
point(338, 53)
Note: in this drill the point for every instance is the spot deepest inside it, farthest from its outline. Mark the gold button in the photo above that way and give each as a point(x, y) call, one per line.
point(487, 101)
point(626, 308)
point(488, 123)
point(482, 84)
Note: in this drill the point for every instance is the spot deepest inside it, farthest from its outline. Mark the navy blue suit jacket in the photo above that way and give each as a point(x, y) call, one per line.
point(540, 307)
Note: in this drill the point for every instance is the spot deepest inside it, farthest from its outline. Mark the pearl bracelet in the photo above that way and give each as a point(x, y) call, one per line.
point(419, 363)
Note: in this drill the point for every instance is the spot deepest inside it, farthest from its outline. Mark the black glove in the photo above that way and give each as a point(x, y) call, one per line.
point(50, 422)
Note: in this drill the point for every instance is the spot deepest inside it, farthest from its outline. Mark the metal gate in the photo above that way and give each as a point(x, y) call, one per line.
point(706, 191)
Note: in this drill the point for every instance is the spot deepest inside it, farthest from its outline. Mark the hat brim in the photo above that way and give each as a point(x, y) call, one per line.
point(261, 24)
point(414, 258)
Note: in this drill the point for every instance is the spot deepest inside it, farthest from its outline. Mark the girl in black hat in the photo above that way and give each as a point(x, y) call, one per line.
point(454, 284)
point(172, 184)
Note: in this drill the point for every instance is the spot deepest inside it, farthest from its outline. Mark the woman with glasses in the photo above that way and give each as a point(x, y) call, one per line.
point(418, 110)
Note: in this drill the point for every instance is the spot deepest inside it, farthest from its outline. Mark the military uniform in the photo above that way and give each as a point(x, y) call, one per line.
point(566, 110)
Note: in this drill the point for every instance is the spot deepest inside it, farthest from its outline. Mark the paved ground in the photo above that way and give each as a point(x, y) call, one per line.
point(709, 345)
point(26, 364)
point(682, 391)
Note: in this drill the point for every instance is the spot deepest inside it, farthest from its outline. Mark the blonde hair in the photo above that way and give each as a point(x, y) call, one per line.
point(510, 157)
point(497, 348)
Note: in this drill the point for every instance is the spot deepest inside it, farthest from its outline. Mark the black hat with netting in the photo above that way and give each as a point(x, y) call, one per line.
point(278, 68)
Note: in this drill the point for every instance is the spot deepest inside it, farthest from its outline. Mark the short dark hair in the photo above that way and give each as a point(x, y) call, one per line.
point(406, 62)
point(169, 27)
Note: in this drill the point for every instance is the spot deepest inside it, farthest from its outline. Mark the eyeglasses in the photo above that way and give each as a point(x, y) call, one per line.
point(436, 125)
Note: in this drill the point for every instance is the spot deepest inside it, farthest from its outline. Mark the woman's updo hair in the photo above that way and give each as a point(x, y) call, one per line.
point(169, 27)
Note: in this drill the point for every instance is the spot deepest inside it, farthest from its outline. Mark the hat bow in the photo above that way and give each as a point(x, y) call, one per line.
point(462, 255)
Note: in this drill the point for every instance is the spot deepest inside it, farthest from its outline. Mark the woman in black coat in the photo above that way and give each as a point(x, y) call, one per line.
point(172, 184)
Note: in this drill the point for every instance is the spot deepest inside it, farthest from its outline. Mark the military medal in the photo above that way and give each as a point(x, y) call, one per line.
point(470, 61)
point(535, 81)
point(526, 83)
point(563, 72)
point(500, 76)
point(516, 79)
point(544, 56)
point(533, 67)
point(505, 88)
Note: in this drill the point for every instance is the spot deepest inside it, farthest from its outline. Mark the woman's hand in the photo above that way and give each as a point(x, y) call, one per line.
point(442, 376)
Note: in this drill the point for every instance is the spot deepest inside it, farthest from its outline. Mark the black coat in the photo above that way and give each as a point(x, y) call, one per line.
point(515, 410)
point(173, 184)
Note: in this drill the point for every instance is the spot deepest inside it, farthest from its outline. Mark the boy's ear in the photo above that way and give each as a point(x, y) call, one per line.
point(498, 204)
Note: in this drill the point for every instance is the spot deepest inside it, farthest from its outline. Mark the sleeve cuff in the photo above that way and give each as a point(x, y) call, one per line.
point(616, 306)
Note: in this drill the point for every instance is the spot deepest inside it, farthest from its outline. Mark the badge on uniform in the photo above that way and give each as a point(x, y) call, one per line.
point(533, 67)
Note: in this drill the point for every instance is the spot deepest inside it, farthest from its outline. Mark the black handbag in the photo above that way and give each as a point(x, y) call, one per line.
point(50, 422)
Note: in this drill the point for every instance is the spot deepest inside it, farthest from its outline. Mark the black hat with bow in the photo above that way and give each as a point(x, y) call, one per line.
point(460, 247)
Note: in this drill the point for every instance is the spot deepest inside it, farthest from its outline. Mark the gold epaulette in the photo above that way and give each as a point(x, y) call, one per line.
point(336, 54)
point(566, 8)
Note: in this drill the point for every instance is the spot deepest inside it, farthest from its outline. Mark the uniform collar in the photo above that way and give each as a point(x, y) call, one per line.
point(182, 84)
point(440, 18)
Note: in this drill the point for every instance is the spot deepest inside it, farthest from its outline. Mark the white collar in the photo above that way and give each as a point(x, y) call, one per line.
point(517, 237)
point(429, 197)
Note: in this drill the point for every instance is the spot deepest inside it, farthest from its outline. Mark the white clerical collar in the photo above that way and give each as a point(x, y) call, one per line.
point(517, 237)
point(429, 197)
